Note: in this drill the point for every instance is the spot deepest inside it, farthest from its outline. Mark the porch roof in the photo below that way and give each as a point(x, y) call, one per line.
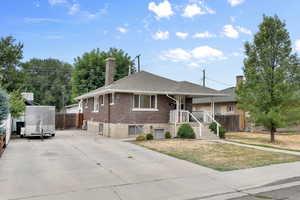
point(148, 83)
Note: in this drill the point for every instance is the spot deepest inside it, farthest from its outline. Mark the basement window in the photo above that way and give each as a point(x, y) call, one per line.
point(135, 129)
point(144, 102)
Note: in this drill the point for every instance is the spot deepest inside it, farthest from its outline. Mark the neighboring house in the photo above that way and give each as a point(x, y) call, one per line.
point(226, 105)
point(141, 103)
point(72, 109)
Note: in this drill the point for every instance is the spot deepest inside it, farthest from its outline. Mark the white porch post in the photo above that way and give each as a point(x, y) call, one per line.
point(213, 108)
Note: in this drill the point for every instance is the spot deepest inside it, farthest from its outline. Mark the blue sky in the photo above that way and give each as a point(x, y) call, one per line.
point(176, 38)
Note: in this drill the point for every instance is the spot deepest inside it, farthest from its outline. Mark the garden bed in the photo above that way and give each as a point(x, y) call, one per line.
point(218, 156)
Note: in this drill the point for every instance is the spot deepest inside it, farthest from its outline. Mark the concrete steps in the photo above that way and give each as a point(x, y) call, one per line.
point(206, 133)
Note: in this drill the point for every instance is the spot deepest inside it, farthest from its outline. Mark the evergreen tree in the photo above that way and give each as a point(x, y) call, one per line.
point(3, 107)
point(89, 69)
point(270, 92)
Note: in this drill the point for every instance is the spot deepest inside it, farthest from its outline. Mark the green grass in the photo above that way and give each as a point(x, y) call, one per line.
point(218, 156)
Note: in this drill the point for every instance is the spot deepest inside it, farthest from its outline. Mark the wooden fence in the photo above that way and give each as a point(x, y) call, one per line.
point(68, 121)
point(229, 122)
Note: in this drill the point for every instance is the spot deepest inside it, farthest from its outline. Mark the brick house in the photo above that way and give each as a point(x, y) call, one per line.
point(141, 103)
point(226, 105)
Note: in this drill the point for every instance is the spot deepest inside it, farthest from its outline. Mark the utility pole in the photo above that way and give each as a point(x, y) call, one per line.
point(203, 79)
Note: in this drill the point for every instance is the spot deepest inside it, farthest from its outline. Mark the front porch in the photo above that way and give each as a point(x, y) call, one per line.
point(199, 121)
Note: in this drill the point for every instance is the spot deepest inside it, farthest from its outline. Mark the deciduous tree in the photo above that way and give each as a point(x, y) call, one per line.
point(270, 91)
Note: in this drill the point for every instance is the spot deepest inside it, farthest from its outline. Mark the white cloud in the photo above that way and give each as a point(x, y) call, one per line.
point(192, 10)
point(244, 30)
point(176, 55)
point(205, 34)
point(197, 9)
point(298, 45)
point(55, 2)
point(182, 35)
point(162, 10)
point(230, 31)
point(236, 54)
point(160, 35)
point(122, 30)
point(194, 57)
point(41, 20)
point(75, 8)
point(235, 2)
point(207, 53)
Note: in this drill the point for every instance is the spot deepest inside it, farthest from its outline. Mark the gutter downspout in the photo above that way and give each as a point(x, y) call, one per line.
point(176, 116)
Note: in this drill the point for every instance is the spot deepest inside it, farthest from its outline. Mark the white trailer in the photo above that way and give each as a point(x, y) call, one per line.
point(39, 121)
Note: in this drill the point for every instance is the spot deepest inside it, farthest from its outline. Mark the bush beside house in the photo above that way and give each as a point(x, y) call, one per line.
point(185, 131)
point(214, 128)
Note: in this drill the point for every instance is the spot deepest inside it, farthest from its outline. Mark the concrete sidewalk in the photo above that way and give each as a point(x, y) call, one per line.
point(258, 147)
point(76, 165)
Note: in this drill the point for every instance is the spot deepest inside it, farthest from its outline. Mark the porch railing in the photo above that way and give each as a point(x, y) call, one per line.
point(184, 116)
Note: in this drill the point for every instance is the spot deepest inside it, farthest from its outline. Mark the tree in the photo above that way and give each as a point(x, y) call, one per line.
point(3, 106)
point(89, 69)
point(270, 92)
point(49, 80)
point(10, 57)
point(16, 104)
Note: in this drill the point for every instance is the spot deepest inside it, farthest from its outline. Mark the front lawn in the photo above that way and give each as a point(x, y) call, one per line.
point(287, 141)
point(222, 157)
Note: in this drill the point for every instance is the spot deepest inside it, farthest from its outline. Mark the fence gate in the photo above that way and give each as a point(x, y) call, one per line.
point(229, 122)
point(68, 120)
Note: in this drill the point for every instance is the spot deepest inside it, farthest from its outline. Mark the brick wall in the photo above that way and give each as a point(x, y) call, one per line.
point(121, 111)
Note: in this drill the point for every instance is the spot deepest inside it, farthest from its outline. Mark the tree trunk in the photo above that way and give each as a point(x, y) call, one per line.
point(273, 130)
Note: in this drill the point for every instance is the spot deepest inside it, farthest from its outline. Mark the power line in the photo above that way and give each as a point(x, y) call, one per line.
point(219, 82)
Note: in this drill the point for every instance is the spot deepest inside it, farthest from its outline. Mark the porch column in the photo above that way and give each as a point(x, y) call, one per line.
point(212, 108)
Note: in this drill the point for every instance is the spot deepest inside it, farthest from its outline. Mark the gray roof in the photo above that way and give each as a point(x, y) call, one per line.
point(145, 82)
point(230, 98)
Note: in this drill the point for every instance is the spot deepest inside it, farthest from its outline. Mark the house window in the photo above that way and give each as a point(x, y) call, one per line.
point(101, 100)
point(135, 129)
point(96, 104)
point(111, 98)
point(141, 101)
point(230, 108)
point(86, 105)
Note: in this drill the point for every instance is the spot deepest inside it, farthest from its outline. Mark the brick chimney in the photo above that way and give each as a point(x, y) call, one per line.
point(239, 79)
point(110, 70)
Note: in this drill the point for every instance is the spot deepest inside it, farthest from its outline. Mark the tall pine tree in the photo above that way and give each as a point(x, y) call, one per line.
point(270, 92)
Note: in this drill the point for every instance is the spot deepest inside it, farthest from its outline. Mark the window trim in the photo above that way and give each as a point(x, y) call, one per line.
point(230, 110)
point(86, 103)
point(96, 104)
point(112, 99)
point(144, 109)
point(102, 104)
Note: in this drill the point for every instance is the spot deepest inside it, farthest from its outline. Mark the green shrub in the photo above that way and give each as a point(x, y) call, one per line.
point(222, 130)
point(186, 131)
point(168, 135)
point(140, 138)
point(149, 136)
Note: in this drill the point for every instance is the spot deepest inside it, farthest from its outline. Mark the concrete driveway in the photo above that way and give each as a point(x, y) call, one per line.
point(75, 165)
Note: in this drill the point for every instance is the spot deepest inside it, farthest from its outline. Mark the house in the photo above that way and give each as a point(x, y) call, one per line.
point(72, 109)
point(142, 103)
point(222, 106)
